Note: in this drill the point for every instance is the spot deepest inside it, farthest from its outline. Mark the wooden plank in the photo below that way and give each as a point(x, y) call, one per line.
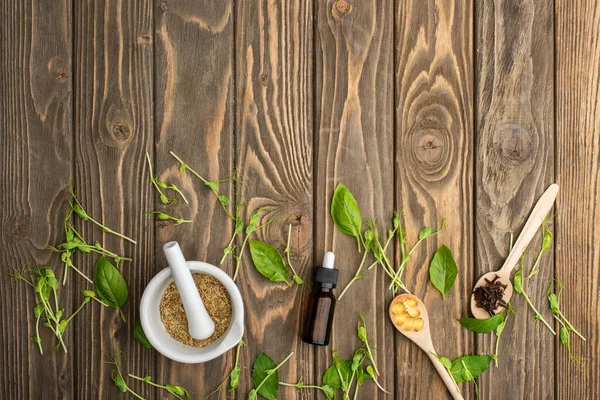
point(113, 123)
point(194, 119)
point(434, 169)
point(577, 170)
point(36, 161)
point(514, 165)
point(274, 157)
point(354, 120)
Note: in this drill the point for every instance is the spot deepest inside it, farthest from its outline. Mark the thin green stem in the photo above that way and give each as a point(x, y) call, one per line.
point(37, 333)
point(356, 275)
point(571, 327)
point(82, 274)
point(228, 245)
point(371, 357)
point(534, 269)
point(77, 311)
point(108, 230)
point(397, 279)
point(239, 257)
point(301, 387)
point(537, 313)
point(288, 250)
point(271, 372)
point(145, 381)
point(197, 175)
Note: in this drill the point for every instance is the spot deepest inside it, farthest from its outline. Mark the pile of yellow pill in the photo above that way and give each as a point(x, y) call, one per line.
point(407, 315)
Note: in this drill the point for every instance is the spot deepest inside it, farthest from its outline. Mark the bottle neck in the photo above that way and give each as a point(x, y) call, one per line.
point(323, 287)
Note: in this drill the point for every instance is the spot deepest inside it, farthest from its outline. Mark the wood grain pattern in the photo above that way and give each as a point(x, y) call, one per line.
point(577, 173)
point(442, 108)
point(36, 159)
point(434, 170)
point(113, 130)
point(194, 92)
point(354, 88)
point(275, 160)
point(514, 165)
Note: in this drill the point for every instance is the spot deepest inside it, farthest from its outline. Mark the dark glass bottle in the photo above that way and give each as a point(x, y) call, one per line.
point(321, 304)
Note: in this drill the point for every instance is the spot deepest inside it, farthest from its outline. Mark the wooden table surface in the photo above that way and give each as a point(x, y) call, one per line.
point(466, 110)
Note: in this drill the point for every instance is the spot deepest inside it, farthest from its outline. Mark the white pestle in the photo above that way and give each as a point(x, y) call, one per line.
point(200, 324)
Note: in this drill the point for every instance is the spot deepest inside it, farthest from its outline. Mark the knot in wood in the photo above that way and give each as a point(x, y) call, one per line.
point(20, 227)
point(264, 79)
point(58, 70)
point(515, 142)
point(340, 9)
point(118, 127)
point(431, 147)
point(146, 38)
point(301, 231)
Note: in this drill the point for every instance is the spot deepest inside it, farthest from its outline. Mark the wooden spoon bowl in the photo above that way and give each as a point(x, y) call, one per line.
point(409, 316)
point(504, 277)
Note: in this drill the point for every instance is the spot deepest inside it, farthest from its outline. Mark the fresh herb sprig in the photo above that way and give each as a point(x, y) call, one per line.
point(518, 286)
point(499, 329)
point(546, 243)
point(74, 241)
point(266, 377)
point(253, 226)
point(233, 376)
point(347, 218)
point(111, 285)
point(466, 368)
point(424, 234)
point(443, 270)
point(178, 391)
point(163, 216)
point(45, 284)
point(80, 211)
point(119, 380)
point(565, 326)
point(212, 185)
point(160, 186)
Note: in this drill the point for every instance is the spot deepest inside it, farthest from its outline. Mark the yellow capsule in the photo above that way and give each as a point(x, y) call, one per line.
point(403, 316)
point(410, 303)
point(409, 324)
point(418, 325)
point(398, 308)
point(413, 312)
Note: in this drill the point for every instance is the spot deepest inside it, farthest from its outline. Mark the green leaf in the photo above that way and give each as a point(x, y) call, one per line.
point(38, 310)
point(178, 391)
point(298, 280)
point(345, 212)
point(110, 284)
point(268, 261)
point(119, 382)
point(424, 233)
point(328, 391)
point(234, 377)
point(482, 325)
point(270, 387)
point(331, 377)
point(139, 335)
point(213, 185)
point(88, 293)
point(443, 270)
point(518, 281)
point(239, 226)
point(224, 200)
point(469, 366)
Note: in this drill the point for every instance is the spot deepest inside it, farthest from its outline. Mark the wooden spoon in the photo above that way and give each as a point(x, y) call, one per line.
point(409, 316)
point(541, 209)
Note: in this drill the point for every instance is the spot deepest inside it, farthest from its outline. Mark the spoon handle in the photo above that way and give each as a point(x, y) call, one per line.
point(541, 209)
point(445, 375)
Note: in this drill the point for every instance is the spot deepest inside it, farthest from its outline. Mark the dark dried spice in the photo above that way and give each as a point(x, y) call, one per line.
point(490, 296)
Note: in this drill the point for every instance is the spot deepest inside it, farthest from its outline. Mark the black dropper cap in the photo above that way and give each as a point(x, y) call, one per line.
point(326, 276)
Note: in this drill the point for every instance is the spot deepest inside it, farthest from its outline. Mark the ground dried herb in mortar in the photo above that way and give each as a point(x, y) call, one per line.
point(216, 300)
